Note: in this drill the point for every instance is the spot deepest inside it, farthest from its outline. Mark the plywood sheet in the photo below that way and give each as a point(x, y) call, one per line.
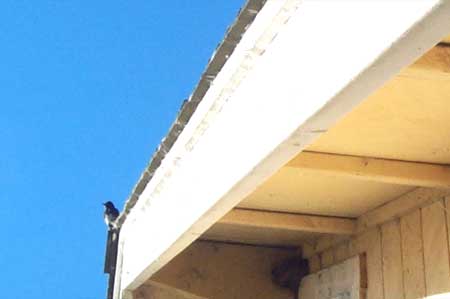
point(407, 119)
point(297, 190)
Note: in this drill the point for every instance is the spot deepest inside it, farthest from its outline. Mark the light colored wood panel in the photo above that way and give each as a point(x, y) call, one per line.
point(297, 190)
point(378, 128)
point(224, 271)
point(412, 255)
point(400, 206)
point(272, 228)
point(373, 169)
point(327, 258)
point(392, 260)
point(435, 246)
point(370, 243)
point(290, 222)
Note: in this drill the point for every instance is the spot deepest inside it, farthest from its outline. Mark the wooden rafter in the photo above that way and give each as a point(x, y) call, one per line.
point(374, 169)
point(288, 221)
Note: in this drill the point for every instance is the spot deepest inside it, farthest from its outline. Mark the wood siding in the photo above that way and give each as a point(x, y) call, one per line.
point(407, 257)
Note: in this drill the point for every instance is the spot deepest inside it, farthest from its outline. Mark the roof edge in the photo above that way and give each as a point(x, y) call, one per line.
point(233, 36)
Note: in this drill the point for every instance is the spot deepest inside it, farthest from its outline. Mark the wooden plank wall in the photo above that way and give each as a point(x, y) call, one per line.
point(407, 257)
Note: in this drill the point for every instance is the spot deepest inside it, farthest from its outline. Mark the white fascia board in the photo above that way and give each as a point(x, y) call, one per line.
point(300, 67)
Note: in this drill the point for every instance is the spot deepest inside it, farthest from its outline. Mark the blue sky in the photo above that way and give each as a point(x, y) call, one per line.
point(87, 91)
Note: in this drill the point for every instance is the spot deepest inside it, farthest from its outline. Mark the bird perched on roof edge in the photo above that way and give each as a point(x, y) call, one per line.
point(110, 214)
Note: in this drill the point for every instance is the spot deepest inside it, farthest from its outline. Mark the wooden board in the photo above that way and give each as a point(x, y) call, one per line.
point(435, 247)
point(392, 260)
point(404, 204)
point(416, 132)
point(375, 169)
point(289, 221)
point(412, 255)
point(297, 190)
point(399, 207)
point(407, 257)
point(275, 229)
point(256, 235)
point(370, 243)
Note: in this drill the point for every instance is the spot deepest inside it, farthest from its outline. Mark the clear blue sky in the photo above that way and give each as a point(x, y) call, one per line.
point(87, 91)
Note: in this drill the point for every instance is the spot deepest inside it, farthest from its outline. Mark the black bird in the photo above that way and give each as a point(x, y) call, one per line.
point(110, 214)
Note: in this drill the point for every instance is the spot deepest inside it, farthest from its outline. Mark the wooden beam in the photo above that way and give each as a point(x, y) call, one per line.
point(288, 221)
point(382, 170)
point(400, 206)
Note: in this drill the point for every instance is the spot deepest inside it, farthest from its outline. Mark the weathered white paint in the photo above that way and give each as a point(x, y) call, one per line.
point(300, 67)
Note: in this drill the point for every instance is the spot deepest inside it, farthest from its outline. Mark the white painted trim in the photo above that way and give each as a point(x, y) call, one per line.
point(300, 67)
